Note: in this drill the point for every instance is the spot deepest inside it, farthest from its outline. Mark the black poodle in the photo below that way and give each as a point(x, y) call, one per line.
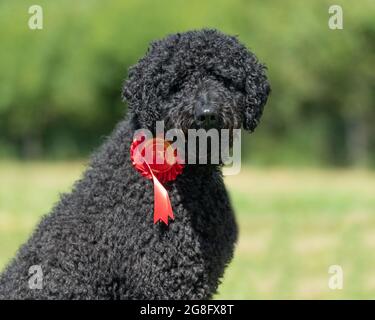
point(100, 241)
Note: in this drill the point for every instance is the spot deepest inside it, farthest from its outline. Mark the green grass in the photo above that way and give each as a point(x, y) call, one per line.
point(293, 224)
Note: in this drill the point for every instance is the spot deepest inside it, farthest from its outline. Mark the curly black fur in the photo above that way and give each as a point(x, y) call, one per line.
point(99, 241)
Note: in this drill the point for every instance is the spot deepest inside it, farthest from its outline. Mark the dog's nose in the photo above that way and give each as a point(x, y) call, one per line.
point(206, 118)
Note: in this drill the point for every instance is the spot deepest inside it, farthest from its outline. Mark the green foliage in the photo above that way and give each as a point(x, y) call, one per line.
point(60, 87)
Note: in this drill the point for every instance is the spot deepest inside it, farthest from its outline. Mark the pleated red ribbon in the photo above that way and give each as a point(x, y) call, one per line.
point(156, 160)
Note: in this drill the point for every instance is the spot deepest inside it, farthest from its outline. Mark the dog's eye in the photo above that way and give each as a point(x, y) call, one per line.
point(228, 82)
point(176, 87)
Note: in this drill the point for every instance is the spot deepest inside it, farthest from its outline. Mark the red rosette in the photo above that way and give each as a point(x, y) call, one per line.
point(157, 154)
point(156, 159)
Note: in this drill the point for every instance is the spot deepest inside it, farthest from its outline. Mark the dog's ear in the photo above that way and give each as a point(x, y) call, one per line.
point(140, 96)
point(149, 81)
point(131, 88)
point(257, 89)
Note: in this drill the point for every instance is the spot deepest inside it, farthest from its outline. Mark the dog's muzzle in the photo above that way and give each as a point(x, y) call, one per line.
point(206, 117)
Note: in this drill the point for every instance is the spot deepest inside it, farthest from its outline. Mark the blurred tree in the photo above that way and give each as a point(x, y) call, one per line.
point(60, 86)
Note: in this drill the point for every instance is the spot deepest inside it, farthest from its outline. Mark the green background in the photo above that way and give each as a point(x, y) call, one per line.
point(60, 86)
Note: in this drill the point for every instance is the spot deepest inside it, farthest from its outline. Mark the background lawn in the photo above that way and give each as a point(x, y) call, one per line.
point(294, 224)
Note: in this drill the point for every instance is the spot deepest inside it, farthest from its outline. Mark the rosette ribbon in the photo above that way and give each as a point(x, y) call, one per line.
point(156, 160)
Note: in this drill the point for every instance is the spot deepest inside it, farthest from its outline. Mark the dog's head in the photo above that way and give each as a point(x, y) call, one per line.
point(198, 79)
